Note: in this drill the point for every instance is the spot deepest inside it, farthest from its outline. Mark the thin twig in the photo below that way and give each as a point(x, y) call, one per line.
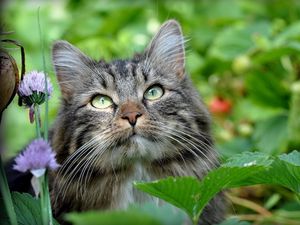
point(250, 205)
point(274, 219)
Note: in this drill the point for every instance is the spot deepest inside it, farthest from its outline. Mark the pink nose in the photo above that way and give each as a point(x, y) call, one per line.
point(131, 117)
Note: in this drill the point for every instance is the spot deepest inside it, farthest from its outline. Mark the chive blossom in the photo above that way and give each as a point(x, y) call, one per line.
point(32, 88)
point(37, 157)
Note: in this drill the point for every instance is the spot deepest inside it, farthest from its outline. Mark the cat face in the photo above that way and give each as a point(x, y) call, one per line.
point(142, 109)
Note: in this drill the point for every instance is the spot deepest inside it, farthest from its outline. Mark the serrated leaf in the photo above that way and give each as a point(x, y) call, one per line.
point(191, 195)
point(292, 158)
point(284, 171)
point(248, 159)
point(179, 192)
point(246, 169)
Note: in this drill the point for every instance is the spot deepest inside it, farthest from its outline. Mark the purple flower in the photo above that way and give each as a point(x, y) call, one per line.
point(32, 88)
point(37, 157)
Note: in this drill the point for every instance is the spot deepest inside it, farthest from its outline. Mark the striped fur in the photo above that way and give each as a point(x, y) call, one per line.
point(101, 153)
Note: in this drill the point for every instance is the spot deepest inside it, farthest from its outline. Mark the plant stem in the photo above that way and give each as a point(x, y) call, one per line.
point(48, 201)
point(5, 192)
point(37, 120)
point(249, 204)
point(43, 199)
point(294, 120)
point(46, 84)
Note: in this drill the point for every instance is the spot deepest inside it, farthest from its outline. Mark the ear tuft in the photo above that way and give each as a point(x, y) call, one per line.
point(166, 50)
point(70, 64)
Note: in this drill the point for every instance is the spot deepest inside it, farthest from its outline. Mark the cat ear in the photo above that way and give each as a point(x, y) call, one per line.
point(166, 50)
point(70, 65)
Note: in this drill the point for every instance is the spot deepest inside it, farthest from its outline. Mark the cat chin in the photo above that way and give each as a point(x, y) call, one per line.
point(142, 148)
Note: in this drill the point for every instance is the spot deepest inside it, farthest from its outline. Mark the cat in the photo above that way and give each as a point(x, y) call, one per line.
point(137, 119)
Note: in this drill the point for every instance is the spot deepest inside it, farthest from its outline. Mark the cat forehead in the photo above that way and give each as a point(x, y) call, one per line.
point(126, 71)
point(123, 76)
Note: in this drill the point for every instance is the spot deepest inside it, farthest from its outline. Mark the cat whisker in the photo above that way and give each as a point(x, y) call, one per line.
point(95, 156)
point(77, 157)
point(191, 134)
point(175, 133)
point(177, 140)
point(202, 135)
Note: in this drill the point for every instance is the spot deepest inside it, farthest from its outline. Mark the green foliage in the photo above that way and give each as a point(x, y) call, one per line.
point(267, 90)
point(238, 40)
point(145, 214)
point(246, 51)
point(27, 208)
point(270, 134)
point(112, 218)
point(246, 169)
point(233, 221)
point(294, 118)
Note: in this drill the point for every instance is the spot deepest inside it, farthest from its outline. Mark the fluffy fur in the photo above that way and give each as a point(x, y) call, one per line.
point(101, 153)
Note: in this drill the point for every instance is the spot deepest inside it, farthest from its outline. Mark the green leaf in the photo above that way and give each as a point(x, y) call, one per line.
point(245, 169)
point(159, 212)
point(291, 158)
point(285, 43)
point(276, 52)
point(180, 192)
point(267, 90)
point(284, 171)
point(221, 11)
point(149, 213)
point(234, 221)
point(28, 210)
point(192, 195)
point(292, 32)
point(234, 146)
point(237, 40)
point(129, 217)
point(271, 135)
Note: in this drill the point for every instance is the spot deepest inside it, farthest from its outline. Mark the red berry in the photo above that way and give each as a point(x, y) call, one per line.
point(220, 106)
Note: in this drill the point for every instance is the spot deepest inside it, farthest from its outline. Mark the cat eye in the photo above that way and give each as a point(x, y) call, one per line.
point(101, 102)
point(153, 93)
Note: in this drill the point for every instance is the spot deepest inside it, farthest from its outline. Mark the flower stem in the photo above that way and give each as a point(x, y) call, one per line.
point(46, 77)
point(43, 198)
point(48, 201)
point(5, 192)
point(37, 120)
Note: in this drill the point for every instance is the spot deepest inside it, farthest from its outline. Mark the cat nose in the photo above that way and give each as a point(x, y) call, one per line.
point(131, 111)
point(131, 117)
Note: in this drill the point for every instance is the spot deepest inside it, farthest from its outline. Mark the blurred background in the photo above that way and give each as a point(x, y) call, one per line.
point(242, 55)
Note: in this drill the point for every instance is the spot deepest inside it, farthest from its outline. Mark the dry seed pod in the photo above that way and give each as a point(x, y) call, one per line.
point(9, 79)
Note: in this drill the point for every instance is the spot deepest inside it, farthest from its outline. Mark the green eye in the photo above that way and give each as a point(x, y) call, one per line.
point(153, 93)
point(101, 102)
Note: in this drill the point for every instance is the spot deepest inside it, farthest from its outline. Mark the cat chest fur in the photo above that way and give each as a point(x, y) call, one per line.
point(104, 191)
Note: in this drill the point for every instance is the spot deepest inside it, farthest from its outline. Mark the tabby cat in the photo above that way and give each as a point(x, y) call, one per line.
point(137, 119)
